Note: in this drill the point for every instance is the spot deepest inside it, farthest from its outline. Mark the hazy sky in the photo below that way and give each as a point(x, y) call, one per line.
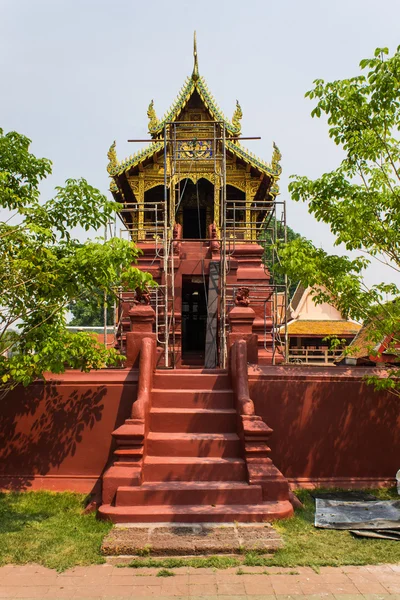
point(75, 75)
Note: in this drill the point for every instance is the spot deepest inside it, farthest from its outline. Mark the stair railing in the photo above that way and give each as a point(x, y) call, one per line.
point(141, 407)
point(254, 432)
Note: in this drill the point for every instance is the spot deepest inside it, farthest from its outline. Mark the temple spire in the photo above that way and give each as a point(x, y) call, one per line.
point(195, 74)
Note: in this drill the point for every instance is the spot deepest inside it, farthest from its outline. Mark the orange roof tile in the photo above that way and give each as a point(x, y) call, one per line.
point(322, 328)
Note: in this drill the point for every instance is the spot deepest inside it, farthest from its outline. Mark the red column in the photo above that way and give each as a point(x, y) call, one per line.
point(142, 317)
point(241, 320)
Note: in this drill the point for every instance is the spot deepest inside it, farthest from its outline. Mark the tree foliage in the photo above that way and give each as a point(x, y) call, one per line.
point(88, 310)
point(275, 231)
point(44, 268)
point(360, 200)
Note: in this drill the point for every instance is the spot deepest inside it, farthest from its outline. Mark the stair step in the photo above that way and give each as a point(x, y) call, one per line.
point(192, 468)
point(179, 398)
point(195, 420)
point(184, 379)
point(129, 453)
point(196, 513)
point(173, 493)
point(193, 444)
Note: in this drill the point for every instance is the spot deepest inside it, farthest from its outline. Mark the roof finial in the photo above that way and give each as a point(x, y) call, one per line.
point(195, 74)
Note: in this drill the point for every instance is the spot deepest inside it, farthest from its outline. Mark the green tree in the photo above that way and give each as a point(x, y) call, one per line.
point(275, 231)
point(360, 200)
point(88, 311)
point(44, 268)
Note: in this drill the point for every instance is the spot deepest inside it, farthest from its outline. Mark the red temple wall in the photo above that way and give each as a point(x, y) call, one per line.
point(58, 436)
point(329, 427)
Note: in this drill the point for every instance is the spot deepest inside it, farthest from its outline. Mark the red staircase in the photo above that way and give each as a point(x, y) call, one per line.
point(192, 464)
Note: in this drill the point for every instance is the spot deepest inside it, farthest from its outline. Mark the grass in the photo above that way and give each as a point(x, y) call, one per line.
point(197, 562)
point(50, 529)
point(165, 573)
point(307, 546)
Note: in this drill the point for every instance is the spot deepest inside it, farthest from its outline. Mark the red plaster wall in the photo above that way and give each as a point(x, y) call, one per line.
point(329, 427)
point(58, 436)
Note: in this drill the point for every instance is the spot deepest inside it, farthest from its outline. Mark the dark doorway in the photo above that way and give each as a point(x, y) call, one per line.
point(194, 223)
point(194, 319)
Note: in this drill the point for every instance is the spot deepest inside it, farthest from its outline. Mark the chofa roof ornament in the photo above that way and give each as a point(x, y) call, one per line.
point(195, 74)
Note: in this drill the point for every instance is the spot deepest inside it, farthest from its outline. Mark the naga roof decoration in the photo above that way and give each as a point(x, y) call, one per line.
point(237, 115)
point(233, 128)
point(115, 168)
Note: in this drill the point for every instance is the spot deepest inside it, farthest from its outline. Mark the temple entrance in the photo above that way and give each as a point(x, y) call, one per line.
point(194, 319)
point(195, 208)
point(194, 223)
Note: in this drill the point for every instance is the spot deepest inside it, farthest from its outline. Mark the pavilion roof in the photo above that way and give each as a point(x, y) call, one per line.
point(305, 328)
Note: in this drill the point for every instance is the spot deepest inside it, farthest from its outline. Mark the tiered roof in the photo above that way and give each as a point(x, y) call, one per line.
point(193, 84)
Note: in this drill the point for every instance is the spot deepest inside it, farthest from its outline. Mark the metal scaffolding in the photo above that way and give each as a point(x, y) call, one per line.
point(192, 149)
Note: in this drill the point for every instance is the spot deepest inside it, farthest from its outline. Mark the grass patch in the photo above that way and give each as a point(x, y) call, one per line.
point(49, 529)
point(165, 573)
point(197, 562)
point(306, 545)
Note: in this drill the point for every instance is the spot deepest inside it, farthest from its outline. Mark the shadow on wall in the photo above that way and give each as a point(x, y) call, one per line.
point(40, 428)
point(329, 427)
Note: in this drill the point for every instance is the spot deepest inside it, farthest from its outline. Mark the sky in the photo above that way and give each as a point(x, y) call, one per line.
point(76, 75)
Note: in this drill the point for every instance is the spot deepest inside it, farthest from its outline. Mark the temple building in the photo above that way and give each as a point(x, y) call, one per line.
point(199, 206)
point(311, 326)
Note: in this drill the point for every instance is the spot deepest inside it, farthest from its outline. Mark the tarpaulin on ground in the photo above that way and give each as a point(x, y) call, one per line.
point(372, 515)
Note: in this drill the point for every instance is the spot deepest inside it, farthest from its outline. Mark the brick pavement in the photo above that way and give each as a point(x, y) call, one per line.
point(254, 583)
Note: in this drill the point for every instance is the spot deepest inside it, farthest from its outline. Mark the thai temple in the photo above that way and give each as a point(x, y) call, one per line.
point(199, 206)
point(229, 398)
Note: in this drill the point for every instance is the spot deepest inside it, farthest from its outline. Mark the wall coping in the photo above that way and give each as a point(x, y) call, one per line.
point(100, 376)
point(309, 373)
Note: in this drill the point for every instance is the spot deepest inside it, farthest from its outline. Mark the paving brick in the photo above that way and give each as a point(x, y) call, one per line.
point(201, 571)
point(384, 596)
point(7, 591)
point(289, 597)
point(117, 591)
point(230, 589)
point(89, 591)
point(367, 586)
point(172, 588)
point(197, 579)
point(56, 591)
point(322, 596)
point(286, 584)
point(202, 589)
point(146, 590)
point(336, 577)
point(254, 588)
point(342, 588)
point(348, 597)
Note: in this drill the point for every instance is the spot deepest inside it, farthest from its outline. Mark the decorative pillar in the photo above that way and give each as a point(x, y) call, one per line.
point(241, 319)
point(142, 318)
